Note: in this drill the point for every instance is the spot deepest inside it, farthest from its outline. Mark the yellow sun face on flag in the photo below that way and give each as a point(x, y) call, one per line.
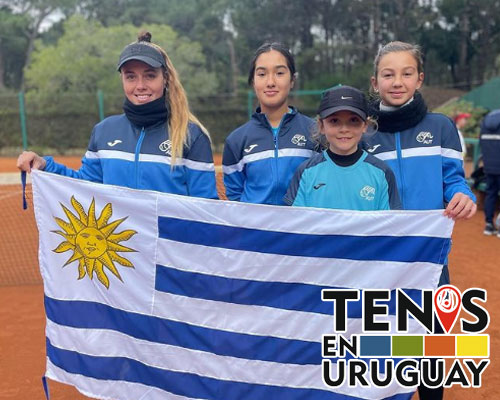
point(94, 244)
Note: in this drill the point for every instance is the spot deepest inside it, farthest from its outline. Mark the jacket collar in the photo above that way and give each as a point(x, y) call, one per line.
point(403, 118)
point(262, 119)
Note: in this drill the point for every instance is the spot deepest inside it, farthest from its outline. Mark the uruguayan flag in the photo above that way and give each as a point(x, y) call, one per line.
point(158, 296)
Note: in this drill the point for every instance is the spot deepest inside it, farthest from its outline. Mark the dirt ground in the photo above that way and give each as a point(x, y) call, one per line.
point(474, 262)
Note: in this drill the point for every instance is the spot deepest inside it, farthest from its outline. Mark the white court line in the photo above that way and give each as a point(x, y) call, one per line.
point(12, 178)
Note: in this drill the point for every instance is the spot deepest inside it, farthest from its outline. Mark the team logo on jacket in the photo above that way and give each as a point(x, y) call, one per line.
point(425, 137)
point(166, 147)
point(373, 148)
point(299, 140)
point(114, 143)
point(367, 193)
point(250, 148)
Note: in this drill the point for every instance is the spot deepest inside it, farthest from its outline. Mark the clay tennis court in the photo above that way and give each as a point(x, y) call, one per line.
point(474, 262)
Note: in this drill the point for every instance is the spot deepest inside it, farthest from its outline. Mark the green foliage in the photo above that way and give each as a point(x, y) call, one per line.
point(199, 20)
point(460, 38)
point(13, 46)
point(358, 77)
point(64, 77)
point(212, 42)
point(84, 60)
point(452, 109)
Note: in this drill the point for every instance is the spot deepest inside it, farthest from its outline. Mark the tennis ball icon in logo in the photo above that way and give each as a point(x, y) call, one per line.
point(447, 303)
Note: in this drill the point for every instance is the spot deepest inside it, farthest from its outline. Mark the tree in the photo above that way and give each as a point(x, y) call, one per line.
point(36, 12)
point(472, 29)
point(198, 20)
point(84, 59)
point(13, 45)
point(332, 39)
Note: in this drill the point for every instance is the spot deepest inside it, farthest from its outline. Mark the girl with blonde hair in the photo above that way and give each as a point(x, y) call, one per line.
point(156, 144)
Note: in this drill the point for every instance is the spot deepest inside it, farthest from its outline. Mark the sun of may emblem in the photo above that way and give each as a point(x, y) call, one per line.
point(93, 241)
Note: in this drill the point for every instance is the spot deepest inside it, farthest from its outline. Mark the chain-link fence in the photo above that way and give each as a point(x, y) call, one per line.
point(56, 126)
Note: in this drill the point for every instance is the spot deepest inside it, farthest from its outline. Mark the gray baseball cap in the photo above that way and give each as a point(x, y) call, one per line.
point(141, 52)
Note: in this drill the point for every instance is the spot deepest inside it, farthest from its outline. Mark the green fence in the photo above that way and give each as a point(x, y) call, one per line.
point(29, 121)
point(66, 123)
point(59, 125)
point(305, 100)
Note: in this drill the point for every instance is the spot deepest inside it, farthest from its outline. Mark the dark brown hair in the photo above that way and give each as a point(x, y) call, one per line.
point(266, 47)
point(396, 46)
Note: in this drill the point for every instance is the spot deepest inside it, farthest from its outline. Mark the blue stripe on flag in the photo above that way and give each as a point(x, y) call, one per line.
point(181, 383)
point(383, 248)
point(283, 295)
point(91, 315)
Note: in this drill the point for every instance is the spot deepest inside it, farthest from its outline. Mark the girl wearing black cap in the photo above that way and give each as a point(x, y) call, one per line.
point(261, 156)
point(156, 144)
point(343, 176)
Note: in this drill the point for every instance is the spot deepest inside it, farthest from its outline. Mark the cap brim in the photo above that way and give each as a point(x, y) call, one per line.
point(330, 111)
point(148, 60)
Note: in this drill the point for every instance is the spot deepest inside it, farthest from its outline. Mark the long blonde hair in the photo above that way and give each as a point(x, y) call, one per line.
point(179, 114)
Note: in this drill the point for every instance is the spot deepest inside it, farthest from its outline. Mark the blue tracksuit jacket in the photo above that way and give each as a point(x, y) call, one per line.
point(257, 165)
point(427, 161)
point(122, 154)
point(366, 185)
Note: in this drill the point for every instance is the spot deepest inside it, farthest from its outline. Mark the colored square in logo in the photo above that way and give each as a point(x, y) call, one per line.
point(472, 345)
point(411, 346)
point(440, 346)
point(375, 346)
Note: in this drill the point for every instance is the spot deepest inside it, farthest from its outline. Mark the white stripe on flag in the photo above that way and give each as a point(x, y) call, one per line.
point(281, 268)
point(122, 389)
point(173, 358)
point(258, 320)
point(430, 223)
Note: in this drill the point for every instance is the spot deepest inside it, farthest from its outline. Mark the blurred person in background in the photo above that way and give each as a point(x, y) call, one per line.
point(157, 144)
point(489, 140)
point(460, 122)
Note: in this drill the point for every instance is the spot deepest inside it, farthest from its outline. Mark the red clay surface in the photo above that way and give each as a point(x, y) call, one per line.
point(8, 164)
point(474, 262)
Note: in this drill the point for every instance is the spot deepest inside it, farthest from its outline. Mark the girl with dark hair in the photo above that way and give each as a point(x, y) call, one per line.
point(261, 156)
point(156, 144)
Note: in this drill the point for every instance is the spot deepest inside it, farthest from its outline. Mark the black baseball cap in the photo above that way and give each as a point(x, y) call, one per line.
point(342, 98)
point(142, 52)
